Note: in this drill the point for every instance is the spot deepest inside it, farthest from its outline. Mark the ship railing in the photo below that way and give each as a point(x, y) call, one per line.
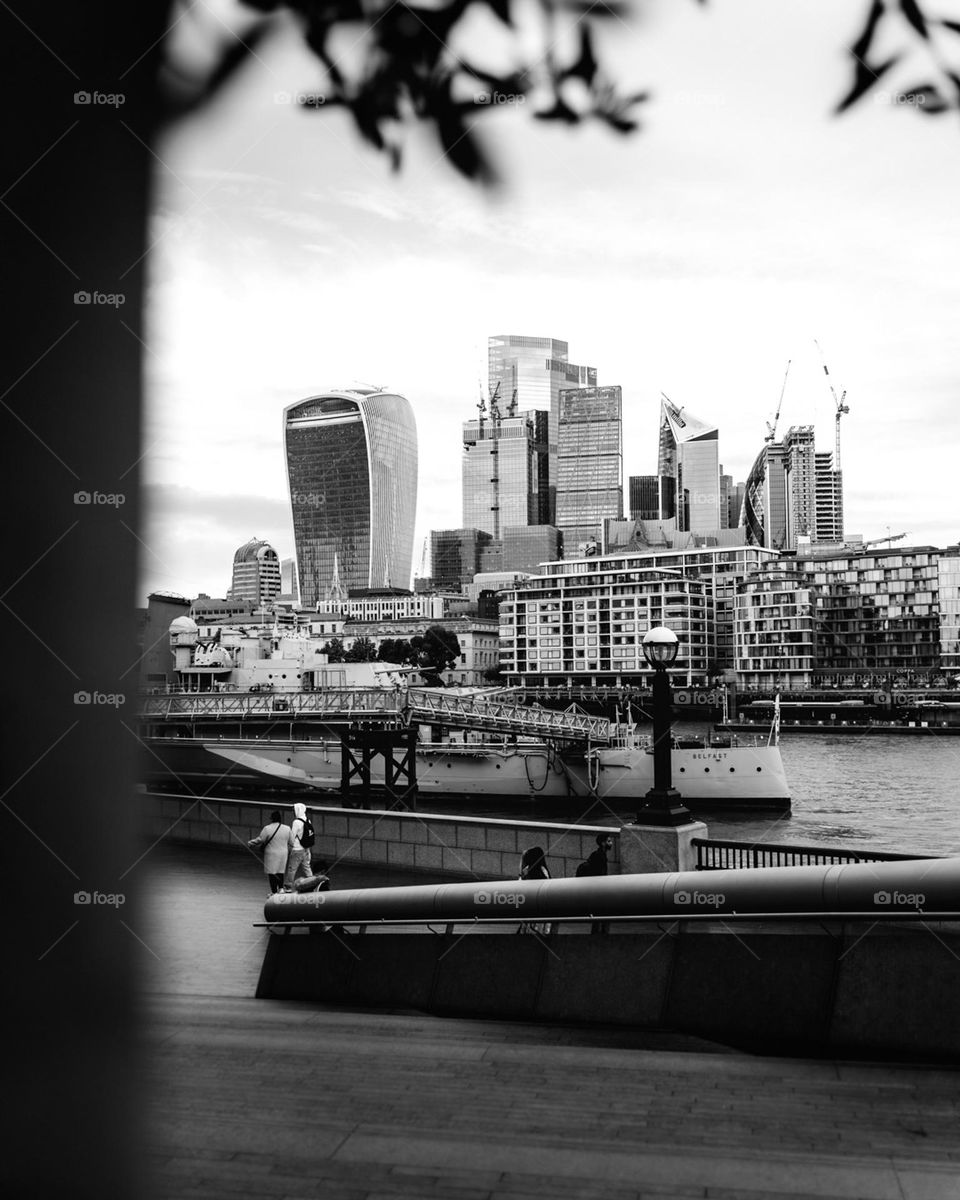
point(715, 854)
point(358, 702)
point(503, 717)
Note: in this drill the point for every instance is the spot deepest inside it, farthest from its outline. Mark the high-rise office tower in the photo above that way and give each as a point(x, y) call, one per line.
point(500, 471)
point(289, 589)
point(256, 573)
point(764, 512)
point(735, 505)
point(690, 453)
point(652, 497)
point(800, 464)
point(530, 372)
point(829, 499)
point(589, 463)
point(352, 471)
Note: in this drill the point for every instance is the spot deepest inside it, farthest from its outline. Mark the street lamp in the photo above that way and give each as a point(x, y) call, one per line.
point(663, 805)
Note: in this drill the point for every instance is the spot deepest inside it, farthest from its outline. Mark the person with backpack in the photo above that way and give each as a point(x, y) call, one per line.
point(275, 840)
point(301, 841)
point(533, 865)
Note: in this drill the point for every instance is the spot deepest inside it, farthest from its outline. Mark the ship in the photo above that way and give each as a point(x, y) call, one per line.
point(265, 709)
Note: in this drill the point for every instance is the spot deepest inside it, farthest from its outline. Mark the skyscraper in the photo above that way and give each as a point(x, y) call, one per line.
point(530, 371)
point(800, 464)
point(352, 472)
point(829, 502)
point(764, 512)
point(589, 463)
point(256, 573)
point(652, 497)
point(500, 472)
point(690, 453)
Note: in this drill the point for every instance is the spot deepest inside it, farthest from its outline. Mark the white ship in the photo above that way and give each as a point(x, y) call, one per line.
point(255, 709)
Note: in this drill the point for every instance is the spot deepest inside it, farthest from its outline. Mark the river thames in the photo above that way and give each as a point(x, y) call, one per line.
point(898, 793)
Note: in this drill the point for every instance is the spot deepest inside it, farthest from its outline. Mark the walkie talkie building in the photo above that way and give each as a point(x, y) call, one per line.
point(351, 460)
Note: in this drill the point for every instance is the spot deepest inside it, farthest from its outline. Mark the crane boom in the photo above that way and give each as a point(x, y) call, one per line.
point(772, 429)
point(838, 401)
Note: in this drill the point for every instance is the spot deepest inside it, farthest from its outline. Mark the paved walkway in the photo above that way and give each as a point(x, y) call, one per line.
point(269, 1099)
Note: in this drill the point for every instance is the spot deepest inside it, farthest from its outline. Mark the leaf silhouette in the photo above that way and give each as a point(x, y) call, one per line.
point(911, 10)
point(864, 79)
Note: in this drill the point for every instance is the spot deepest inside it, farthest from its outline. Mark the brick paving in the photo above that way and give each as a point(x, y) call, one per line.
point(266, 1099)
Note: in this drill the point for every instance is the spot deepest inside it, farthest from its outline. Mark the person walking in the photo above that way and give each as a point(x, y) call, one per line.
point(275, 840)
point(298, 860)
point(533, 866)
point(597, 863)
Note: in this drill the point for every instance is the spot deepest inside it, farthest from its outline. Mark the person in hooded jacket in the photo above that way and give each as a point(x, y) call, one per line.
point(298, 859)
point(275, 840)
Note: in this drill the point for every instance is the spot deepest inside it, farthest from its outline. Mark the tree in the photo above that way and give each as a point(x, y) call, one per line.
point(334, 651)
point(436, 651)
point(362, 650)
point(395, 650)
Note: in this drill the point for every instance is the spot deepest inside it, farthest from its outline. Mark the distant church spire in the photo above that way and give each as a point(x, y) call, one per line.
point(336, 597)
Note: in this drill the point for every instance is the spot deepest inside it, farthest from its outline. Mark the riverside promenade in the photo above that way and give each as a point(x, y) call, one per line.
point(273, 1099)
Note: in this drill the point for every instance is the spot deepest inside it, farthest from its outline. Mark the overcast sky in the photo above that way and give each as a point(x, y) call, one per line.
point(695, 257)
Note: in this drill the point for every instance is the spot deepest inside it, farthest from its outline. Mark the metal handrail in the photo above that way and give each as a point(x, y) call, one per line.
point(657, 918)
point(717, 854)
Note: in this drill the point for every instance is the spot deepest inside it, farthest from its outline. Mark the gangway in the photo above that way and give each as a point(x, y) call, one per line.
point(485, 715)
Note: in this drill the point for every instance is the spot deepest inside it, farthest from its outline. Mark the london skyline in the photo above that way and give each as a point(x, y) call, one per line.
point(694, 258)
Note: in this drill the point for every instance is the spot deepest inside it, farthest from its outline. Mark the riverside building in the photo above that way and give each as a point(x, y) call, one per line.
point(864, 618)
point(583, 620)
point(351, 460)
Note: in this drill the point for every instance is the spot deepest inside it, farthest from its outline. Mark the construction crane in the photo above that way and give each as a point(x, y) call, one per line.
point(772, 429)
point(890, 538)
point(840, 406)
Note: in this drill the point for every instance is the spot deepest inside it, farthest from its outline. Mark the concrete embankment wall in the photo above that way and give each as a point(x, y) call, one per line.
point(472, 847)
point(861, 988)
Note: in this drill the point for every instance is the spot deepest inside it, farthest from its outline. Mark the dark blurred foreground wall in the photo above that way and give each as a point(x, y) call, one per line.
point(75, 170)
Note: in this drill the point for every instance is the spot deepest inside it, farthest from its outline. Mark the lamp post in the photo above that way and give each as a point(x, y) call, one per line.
point(663, 805)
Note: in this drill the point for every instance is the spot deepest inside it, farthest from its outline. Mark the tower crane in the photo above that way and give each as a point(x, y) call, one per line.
point(772, 429)
point(838, 402)
point(891, 537)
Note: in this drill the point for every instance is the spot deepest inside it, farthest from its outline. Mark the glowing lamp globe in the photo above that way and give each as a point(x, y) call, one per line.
point(660, 646)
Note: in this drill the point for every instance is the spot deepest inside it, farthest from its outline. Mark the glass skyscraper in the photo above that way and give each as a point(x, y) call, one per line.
point(500, 473)
point(589, 463)
point(352, 472)
point(690, 452)
point(531, 372)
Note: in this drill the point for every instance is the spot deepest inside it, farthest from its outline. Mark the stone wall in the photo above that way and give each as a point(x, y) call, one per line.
point(465, 847)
